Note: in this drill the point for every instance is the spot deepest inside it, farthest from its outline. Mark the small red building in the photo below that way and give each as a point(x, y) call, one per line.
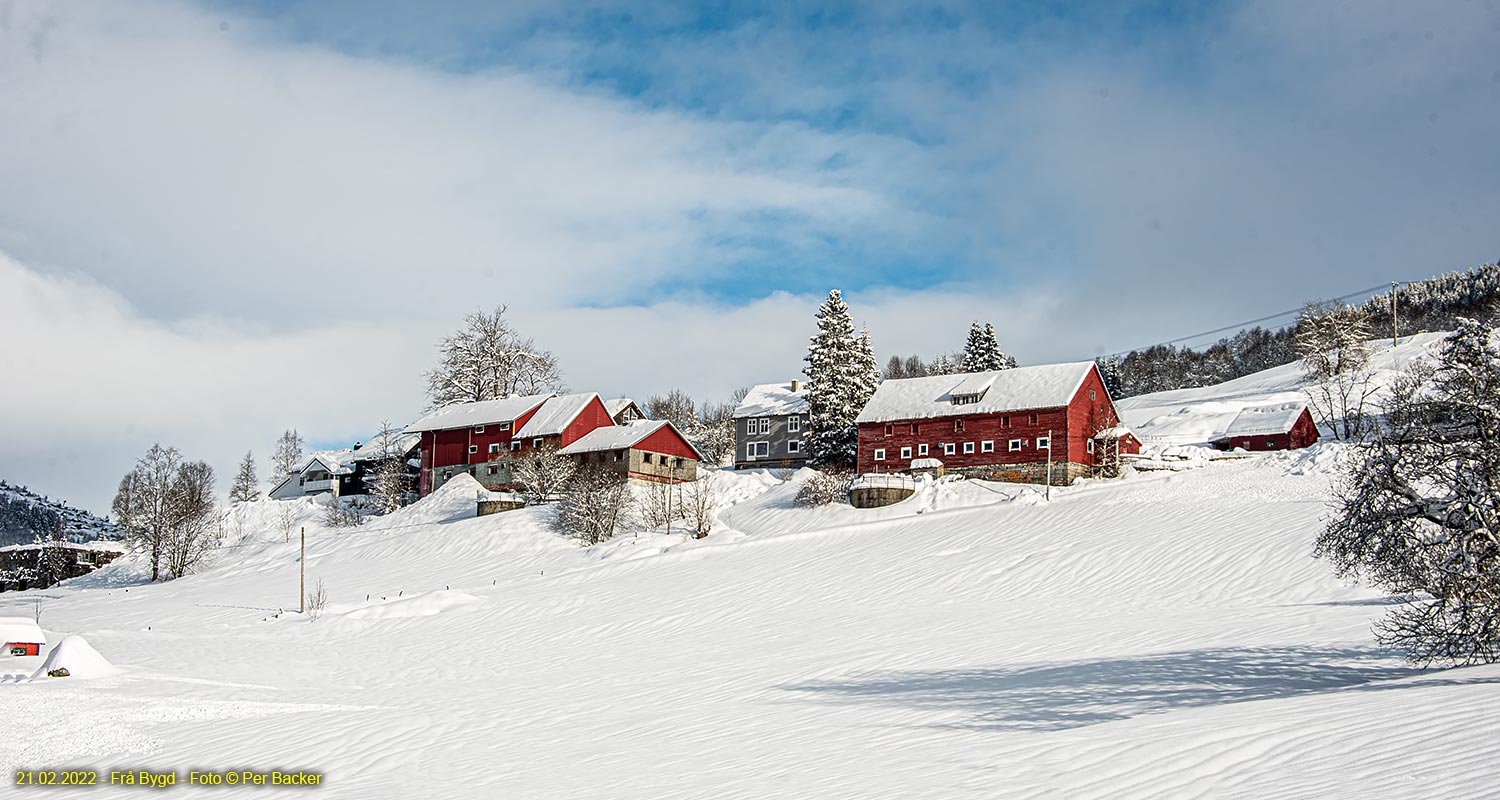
point(480, 438)
point(22, 636)
point(999, 425)
point(645, 451)
point(1283, 426)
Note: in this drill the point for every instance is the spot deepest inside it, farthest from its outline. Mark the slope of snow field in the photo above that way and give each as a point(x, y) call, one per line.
point(1165, 635)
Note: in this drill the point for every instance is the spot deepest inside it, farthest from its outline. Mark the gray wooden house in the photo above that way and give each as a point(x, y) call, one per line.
point(771, 426)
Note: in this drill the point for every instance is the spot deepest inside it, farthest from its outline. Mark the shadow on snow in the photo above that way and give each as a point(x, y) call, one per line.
point(1063, 696)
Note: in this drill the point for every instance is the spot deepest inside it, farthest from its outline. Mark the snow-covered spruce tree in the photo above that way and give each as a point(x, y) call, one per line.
point(1331, 341)
point(487, 359)
point(841, 375)
point(982, 352)
point(287, 454)
point(246, 484)
point(946, 364)
point(595, 503)
point(1418, 511)
point(53, 558)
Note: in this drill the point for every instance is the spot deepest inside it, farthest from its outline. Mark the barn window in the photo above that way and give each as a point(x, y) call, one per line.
point(1044, 442)
point(958, 426)
point(1017, 444)
point(1091, 394)
point(880, 454)
point(921, 449)
point(515, 445)
point(492, 470)
point(793, 424)
point(949, 448)
point(1090, 445)
point(494, 448)
point(986, 447)
point(915, 428)
point(1005, 422)
point(1032, 419)
point(619, 455)
point(479, 429)
point(537, 442)
point(473, 448)
point(905, 453)
point(968, 448)
point(889, 429)
point(794, 446)
point(504, 426)
point(676, 463)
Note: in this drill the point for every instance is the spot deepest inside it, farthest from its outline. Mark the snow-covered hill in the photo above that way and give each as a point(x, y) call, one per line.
point(1165, 635)
point(24, 515)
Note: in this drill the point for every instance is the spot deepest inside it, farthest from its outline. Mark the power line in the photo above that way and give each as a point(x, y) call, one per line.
point(1241, 325)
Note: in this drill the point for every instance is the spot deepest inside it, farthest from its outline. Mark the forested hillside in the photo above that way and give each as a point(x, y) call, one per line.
point(24, 515)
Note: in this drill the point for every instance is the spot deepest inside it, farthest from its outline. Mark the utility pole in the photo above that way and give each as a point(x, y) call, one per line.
point(302, 575)
point(1395, 339)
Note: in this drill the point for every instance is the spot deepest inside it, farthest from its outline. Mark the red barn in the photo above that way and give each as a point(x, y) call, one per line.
point(645, 451)
point(999, 425)
point(479, 438)
point(1283, 426)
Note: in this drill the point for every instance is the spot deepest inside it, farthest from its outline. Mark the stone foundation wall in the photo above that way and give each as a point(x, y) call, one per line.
point(1063, 472)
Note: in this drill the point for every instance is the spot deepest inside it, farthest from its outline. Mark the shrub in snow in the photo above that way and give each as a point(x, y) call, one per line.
point(1418, 511)
point(542, 473)
point(700, 503)
point(596, 502)
point(339, 515)
point(658, 503)
point(824, 487)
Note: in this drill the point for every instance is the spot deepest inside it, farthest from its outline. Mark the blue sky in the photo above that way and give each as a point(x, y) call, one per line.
point(231, 218)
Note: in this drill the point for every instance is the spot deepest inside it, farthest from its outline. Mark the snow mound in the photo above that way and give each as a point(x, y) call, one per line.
point(455, 500)
point(78, 657)
point(422, 605)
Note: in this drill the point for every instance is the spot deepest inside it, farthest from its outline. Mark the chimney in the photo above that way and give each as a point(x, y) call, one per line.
point(796, 384)
point(356, 445)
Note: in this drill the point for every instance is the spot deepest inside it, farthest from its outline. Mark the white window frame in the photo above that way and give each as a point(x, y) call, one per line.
point(765, 425)
point(479, 429)
point(473, 448)
point(1016, 445)
point(516, 445)
point(1041, 439)
point(794, 446)
point(494, 448)
point(987, 446)
point(794, 424)
point(906, 454)
point(537, 442)
point(1090, 446)
point(504, 426)
point(754, 450)
point(968, 448)
point(880, 454)
point(949, 448)
point(921, 450)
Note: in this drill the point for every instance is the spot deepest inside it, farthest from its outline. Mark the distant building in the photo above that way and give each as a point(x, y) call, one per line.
point(1000, 425)
point(22, 637)
point(644, 451)
point(349, 472)
point(623, 410)
point(1282, 426)
point(771, 426)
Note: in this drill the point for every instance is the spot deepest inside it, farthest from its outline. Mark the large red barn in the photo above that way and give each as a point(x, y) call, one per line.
point(999, 425)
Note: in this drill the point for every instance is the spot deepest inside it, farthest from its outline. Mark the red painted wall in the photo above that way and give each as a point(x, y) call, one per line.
point(31, 649)
point(1304, 433)
point(1071, 426)
point(669, 442)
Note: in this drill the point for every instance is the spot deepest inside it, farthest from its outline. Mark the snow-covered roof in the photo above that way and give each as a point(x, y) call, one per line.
point(1044, 386)
point(555, 414)
point(483, 412)
point(337, 462)
point(614, 437)
point(20, 630)
point(1265, 420)
point(926, 463)
point(615, 406)
point(773, 399)
point(1117, 432)
point(401, 444)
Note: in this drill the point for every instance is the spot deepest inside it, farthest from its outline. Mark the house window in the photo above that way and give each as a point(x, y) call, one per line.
point(765, 425)
point(1016, 444)
point(473, 448)
point(494, 448)
point(754, 450)
point(645, 458)
point(1032, 419)
point(793, 424)
point(949, 448)
point(905, 453)
point(515, 445)
point(921, 449)
point(958, 426)
point(479, 429)
point(794, 446)
point(968, 448)
point(1044, 442)
point(1089, 445)
point(986, 447)
point(880, 453)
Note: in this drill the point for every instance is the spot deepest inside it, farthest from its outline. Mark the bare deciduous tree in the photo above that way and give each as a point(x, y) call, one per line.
point(167, 506)
point(542, 472)
point(317, 600)
point(1331, 340)
point(487, 359)
point(287, 454)
point(595, 504)
point(700, 502)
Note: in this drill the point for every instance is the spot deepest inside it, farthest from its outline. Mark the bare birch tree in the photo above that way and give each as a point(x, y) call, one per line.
point(1332, 341)
point(487, 359)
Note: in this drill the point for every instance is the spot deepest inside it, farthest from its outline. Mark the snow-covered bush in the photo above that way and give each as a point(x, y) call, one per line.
point(595, 504)
point(542, 473)
point(339, 515)
point(822, 488)
point(700, 503)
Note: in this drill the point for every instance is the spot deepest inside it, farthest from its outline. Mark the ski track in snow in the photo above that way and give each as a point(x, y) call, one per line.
point(1167, 635)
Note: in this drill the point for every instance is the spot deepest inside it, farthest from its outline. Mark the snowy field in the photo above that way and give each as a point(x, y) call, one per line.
point(1164, 635)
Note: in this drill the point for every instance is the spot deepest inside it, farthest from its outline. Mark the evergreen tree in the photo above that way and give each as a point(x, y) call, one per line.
point(246, 484)
point(982, 351)
point(841, 375)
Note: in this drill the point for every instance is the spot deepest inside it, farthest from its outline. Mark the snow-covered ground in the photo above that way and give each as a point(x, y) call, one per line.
point(1162, 635)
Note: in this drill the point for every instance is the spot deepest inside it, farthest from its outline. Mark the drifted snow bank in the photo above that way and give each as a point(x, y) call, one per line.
point(78, 657)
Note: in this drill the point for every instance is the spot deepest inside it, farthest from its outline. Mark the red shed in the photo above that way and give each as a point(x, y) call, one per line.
point(646, 451)
point(22, 636)
point(1283, 426)
point(999, 425)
